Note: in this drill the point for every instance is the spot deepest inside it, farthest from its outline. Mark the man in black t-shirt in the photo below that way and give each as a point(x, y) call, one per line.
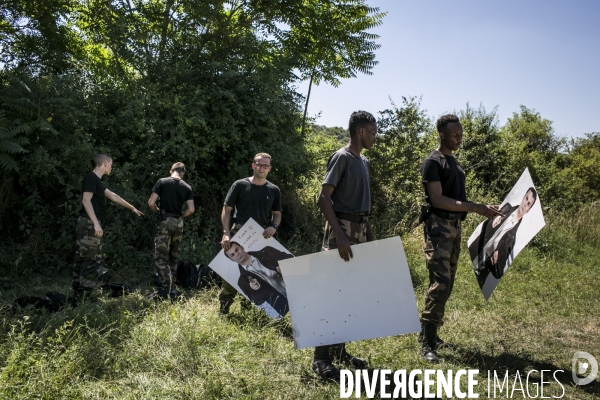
point(88, 268)
point(173, 193)
point(444, 182)
point(254, 197)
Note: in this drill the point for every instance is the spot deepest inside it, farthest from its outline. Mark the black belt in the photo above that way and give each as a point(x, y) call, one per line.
point(449, 215)
point(170, 215)
point(358, 217)
point(237, 227)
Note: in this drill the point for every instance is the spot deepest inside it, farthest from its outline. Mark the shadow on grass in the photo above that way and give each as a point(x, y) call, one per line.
point(308, 377)
point(516, 362)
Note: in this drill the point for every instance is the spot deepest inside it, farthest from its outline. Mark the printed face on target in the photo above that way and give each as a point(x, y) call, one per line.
point(236, 253)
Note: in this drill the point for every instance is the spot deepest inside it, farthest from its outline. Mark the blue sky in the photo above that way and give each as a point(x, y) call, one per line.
point(542, 54)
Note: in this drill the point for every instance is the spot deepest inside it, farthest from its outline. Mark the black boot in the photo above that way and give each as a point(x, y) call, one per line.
point(439, 343)
point(322, 365)
point(428, 349)
point(338, 353)
point(166, 294)
point(224, 307)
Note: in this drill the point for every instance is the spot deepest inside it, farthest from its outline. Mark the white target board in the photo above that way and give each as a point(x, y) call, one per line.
point(333, 301)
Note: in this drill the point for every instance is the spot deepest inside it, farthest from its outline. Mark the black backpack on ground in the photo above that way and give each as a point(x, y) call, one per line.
point(26, 301)
point(53, 302)
point(208, 277)
point(199, 276)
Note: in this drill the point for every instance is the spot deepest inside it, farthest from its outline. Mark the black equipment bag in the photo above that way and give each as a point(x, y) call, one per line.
point(208, 277)
point(53, 302)
point(26, 301)
point(188, 275)
point(199, 276)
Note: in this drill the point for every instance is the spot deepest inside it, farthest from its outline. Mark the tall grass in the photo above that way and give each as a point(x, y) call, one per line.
point(545, 309)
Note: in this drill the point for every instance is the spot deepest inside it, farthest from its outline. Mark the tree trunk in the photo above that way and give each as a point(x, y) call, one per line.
point(306, 104)
point(165, 27)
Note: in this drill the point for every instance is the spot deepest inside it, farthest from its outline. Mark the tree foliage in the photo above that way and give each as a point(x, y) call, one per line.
point(332, 40)
point(152, 82)
point(404, 139)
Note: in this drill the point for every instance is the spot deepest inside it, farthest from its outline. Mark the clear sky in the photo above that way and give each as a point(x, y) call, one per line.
point(544, 54)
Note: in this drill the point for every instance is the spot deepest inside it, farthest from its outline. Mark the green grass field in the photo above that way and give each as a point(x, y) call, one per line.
point(545, 309)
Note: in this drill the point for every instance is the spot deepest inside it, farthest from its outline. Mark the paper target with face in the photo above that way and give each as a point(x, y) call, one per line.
point(251, 265)
point(496, 242)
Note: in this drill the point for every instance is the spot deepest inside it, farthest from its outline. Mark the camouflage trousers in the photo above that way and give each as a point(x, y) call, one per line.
point(87, 268)
point(356, 232)
point(167, 243)
point(442, 248)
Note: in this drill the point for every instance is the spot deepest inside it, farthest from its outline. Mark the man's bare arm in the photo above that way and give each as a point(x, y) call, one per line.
point(86, 200)
point(226, 223)
point(438, 200)
point(190, 208)
point(115, 198)
point(343, 244)
point(152, 202)
point(270, 231)
point(277, 217)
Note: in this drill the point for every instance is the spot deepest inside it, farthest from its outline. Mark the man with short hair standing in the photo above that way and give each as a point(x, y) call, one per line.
point(254, 197)
point(173, 193)
point(87, 268)
point(447, 206)
point(345, 201)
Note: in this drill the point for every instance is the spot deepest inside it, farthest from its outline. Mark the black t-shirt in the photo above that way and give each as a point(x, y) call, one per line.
point(253, 201)
point(438, 167)
point(173, 194)
point(91, 183)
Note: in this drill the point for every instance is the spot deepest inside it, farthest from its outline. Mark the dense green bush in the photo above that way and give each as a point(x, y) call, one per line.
point(151, 83)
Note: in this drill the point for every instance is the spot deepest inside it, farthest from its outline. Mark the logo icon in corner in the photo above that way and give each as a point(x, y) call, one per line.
point(584, 363)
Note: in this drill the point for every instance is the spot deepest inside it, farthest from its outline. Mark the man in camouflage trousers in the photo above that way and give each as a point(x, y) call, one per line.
point(442, 248)
point(88, 256)
point(447, 206)
point(173, 193)
point(167, 243)
point(345, 201)
point(88, 271)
